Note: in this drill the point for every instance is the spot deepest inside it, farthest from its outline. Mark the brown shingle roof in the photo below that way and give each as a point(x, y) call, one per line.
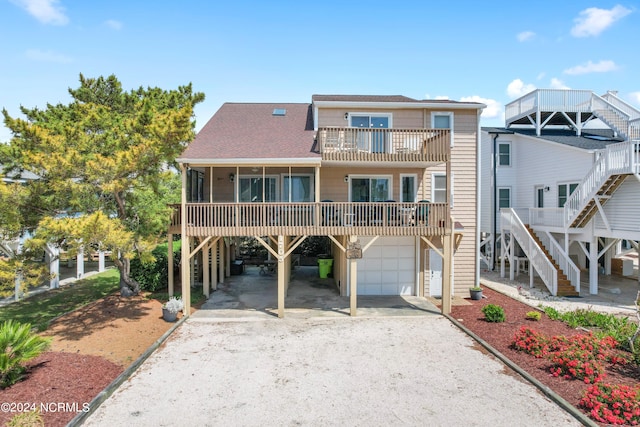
point(251, 131)
point(380, 98)
point(363, 98)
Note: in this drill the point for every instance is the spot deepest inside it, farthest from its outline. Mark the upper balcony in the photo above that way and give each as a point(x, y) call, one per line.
point(322, 218)
point(343, 144)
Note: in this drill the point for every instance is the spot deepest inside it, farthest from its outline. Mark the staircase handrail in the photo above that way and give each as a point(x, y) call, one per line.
point(622, 118)
point(633, 112)
point(537, 258)
point(614, 159)
point(565, 263)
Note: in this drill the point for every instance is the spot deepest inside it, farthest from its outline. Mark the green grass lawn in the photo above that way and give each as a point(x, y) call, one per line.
point(40, 309)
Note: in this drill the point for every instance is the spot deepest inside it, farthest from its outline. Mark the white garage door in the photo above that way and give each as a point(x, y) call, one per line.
point(388, 267)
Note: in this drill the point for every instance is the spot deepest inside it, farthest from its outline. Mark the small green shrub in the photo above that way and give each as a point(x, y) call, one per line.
point(493, 313)
point(552, 313)
point(17, 346)
point(27, 419)
point(533, 315)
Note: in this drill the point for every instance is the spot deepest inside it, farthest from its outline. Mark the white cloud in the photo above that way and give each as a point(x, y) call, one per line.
point(593, 21)
point(525, 36)
point(492, 110)
point(45, 11)
point(113, 24)
point(541, 76)
point(517, 88)
point(443, 97)
point(592, 67)
point(558, 84)
point(47, 56)
point(635, 97)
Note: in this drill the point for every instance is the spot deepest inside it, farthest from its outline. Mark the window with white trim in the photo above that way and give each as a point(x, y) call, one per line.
point(370, 188)
point(439, 188)
point(504, 197)
point(255, 189)
point(408, 188)
point(504, 154)
point(564, 191)
point(301, 189)
point(443, 120)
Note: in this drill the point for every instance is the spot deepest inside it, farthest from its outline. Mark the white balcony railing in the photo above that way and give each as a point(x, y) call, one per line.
point(537, 258)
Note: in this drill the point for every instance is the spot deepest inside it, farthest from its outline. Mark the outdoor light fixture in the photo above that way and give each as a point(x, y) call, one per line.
point(231, 177)
point(546, 189)
point(346, 178)
point(346, 116)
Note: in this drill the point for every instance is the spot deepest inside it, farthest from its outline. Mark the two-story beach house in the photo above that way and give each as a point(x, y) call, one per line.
point(391, 181)
point(561, 187)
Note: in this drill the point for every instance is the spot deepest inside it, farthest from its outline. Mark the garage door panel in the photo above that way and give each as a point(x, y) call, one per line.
point(387, 267)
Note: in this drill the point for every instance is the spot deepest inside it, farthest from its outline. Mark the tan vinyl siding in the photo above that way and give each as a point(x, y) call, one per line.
point(463, 168)
point(401, 119)
point(334, 188)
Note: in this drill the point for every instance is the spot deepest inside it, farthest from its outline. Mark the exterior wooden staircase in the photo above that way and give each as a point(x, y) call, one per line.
point(564, 284)
point(603, 195)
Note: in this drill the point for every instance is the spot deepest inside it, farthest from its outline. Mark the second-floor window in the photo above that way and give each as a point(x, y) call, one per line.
point(370, 189)
point(300, 190)
point(564, 191)
point(408, 188)
point(255, 189)
point(439, 188)
point(504, 154)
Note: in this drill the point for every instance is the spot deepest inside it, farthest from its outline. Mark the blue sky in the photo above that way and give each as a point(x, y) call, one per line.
point(286, 51)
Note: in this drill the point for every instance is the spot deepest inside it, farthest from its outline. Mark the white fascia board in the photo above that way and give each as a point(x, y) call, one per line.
point(253, 162)
point(399, 105)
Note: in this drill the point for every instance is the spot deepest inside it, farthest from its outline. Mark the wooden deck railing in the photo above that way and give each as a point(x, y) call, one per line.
point(337, 218)
point(384, 145)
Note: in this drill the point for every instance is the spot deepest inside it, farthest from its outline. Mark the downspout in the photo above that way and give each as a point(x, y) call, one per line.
point(478, 198)
point(495, 202)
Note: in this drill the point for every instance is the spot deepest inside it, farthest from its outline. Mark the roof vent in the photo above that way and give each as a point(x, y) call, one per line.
point(279, 111)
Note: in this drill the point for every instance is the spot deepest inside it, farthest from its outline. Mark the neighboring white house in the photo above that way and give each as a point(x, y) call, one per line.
point(561, 186)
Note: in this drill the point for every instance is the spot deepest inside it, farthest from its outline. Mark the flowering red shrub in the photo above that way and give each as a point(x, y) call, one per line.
point(613, 404)
point(582, 356)
point(531, 342)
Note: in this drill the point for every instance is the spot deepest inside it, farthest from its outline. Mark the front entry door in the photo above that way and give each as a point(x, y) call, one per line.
point(435, 274)
point(539, 197)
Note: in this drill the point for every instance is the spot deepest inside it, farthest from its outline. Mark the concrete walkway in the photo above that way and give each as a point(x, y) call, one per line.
point(616, 294)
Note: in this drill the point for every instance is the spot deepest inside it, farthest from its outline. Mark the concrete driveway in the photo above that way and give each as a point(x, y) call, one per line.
point(374, 371)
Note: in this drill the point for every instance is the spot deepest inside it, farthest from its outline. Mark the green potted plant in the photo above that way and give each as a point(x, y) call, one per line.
point(171, 308)
point(475, 292)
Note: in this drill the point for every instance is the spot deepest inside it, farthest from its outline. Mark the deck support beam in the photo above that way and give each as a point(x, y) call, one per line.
point(353, 281)
point(281, 276)
point(447, 272)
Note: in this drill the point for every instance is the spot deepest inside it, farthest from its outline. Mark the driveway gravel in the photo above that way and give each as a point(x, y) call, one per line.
point(376, 371)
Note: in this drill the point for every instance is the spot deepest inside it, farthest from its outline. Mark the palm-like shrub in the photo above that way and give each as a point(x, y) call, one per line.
point(17, 346)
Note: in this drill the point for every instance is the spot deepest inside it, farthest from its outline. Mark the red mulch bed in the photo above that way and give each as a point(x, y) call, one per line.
point(500, 337)
point(51, 377)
